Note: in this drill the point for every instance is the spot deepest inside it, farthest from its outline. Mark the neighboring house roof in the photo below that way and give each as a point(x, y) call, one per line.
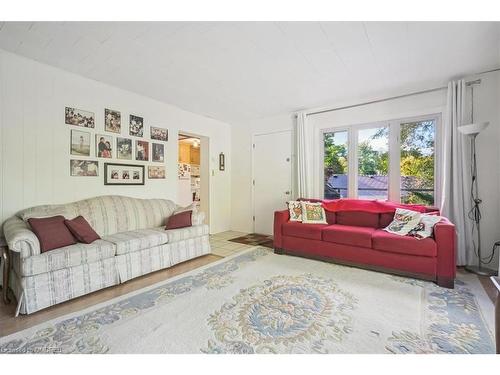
point(374, 186)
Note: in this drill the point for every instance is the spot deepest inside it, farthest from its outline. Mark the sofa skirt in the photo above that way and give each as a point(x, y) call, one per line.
point(37, 292)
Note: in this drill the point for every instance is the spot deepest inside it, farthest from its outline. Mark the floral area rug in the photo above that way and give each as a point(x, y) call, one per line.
point(259, 302)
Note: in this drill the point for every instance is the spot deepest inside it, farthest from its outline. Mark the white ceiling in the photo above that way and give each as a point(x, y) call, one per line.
point(243, 70)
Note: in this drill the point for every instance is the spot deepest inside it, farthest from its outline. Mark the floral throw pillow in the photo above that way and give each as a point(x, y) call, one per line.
point(404, 221)
point(295, 209)
point(425, 227)
point(313, 213)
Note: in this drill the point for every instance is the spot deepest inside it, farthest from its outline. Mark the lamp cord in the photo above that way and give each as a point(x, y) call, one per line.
point(474, 213)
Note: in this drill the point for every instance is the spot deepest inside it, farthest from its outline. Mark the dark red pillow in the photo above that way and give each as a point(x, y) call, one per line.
point(51, 232)
point(180, 220)
point(81, 229)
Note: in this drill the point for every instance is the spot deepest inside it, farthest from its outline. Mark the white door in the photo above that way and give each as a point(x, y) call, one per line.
point(272, 168)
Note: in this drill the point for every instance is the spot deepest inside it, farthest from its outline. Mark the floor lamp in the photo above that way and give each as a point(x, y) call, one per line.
point(472, 131)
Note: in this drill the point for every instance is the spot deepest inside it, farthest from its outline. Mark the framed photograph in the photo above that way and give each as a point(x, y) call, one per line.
point(103, 146)
point(158, 153)
point(159, 134)
point(80, 143)
point(142, 150)
point(123, 148)
point(184, 172)
point(84, 167)
point(136, 126)
point(78, 117)
point(112, 121)
point(123, 174)
point(155, 172)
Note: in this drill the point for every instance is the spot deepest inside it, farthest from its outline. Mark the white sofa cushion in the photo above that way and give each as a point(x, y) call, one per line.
point(64, 257)
point(140, 239)
point(176, 235)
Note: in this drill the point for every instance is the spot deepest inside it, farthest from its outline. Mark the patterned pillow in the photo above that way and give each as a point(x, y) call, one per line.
point(313, 213)
point(404, 221)
point(295, 209)
point(425, 227)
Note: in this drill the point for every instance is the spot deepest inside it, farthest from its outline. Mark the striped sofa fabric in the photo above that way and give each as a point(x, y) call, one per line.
point(134, 243)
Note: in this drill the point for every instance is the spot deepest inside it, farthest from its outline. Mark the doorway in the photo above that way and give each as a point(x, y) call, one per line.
point(193, 172)
point(272, 177)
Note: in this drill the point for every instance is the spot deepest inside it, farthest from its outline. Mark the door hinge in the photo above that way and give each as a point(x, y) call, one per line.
point(253, 182)
point(253, 218)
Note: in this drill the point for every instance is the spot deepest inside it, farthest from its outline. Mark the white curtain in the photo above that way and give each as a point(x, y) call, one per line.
point(455, 194)
point(304, 150)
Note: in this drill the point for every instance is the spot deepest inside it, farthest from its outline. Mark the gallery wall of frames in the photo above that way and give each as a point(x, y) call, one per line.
point(123, 140)
point(36, 143)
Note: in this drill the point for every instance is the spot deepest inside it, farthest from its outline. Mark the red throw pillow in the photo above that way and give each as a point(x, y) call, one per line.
point(81, 229)
point(180, 220)
point(51, 232)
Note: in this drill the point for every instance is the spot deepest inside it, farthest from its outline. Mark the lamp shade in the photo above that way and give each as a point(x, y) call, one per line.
point(473, 129)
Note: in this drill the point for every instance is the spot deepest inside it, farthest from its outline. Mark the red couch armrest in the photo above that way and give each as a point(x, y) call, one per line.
point(446, 240)
point(280, 218)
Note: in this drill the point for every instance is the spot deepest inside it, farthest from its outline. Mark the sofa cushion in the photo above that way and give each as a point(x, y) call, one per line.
point(176, 235)
point(310, 231)
point(64, 257)
point(51, 232)
point(349, 235)
point(330, 217)
point(81, 230)
point(357, 218)
point(394, 243)
point(179, 220)
point(127, 242)
point(385, 219)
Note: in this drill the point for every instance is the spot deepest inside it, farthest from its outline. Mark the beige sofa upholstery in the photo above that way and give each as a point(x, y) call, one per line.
point(133, 243)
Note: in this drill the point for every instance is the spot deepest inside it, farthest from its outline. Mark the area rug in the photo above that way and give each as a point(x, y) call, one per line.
point(259, 302)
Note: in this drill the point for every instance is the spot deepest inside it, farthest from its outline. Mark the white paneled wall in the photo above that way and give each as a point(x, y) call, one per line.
point(35, 141)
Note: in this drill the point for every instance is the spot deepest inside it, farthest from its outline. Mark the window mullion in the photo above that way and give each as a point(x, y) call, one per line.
point(394, 162)
point(353, 163)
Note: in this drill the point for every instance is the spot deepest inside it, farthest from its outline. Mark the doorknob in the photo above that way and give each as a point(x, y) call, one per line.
point(287, 192)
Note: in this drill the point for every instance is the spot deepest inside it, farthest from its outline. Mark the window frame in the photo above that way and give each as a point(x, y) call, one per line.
point(394, 144)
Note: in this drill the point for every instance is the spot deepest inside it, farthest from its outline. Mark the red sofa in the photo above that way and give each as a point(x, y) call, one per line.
point(356, 238)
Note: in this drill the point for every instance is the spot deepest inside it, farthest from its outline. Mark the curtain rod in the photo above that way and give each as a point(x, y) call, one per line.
point(469, 83)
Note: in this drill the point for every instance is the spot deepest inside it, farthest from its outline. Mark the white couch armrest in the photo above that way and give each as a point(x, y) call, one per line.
point(20, 238)
point(197, 218)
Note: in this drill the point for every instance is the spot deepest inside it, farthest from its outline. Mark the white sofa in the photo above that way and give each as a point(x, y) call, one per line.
point(133, 243)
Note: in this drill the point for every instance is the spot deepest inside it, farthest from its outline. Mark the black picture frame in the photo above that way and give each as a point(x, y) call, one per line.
point(130, 180)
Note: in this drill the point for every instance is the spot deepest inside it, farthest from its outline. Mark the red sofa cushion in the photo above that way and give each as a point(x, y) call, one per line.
point(81, 230)
point(179, 220)
point(393, 243)
point(357, 219)
point(386, 219)
point(51, 232)
point(349, 235)
point(310, 231)
point(330, 217)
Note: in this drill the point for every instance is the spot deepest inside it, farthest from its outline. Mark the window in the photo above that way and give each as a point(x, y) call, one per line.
point(393, 160)
point(335, 164)
point(417, 162)
point(373, 163)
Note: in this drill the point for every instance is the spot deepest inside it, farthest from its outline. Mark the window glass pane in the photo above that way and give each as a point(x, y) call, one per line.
point(335, 164)
point(373, 163)
point(417, 162)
